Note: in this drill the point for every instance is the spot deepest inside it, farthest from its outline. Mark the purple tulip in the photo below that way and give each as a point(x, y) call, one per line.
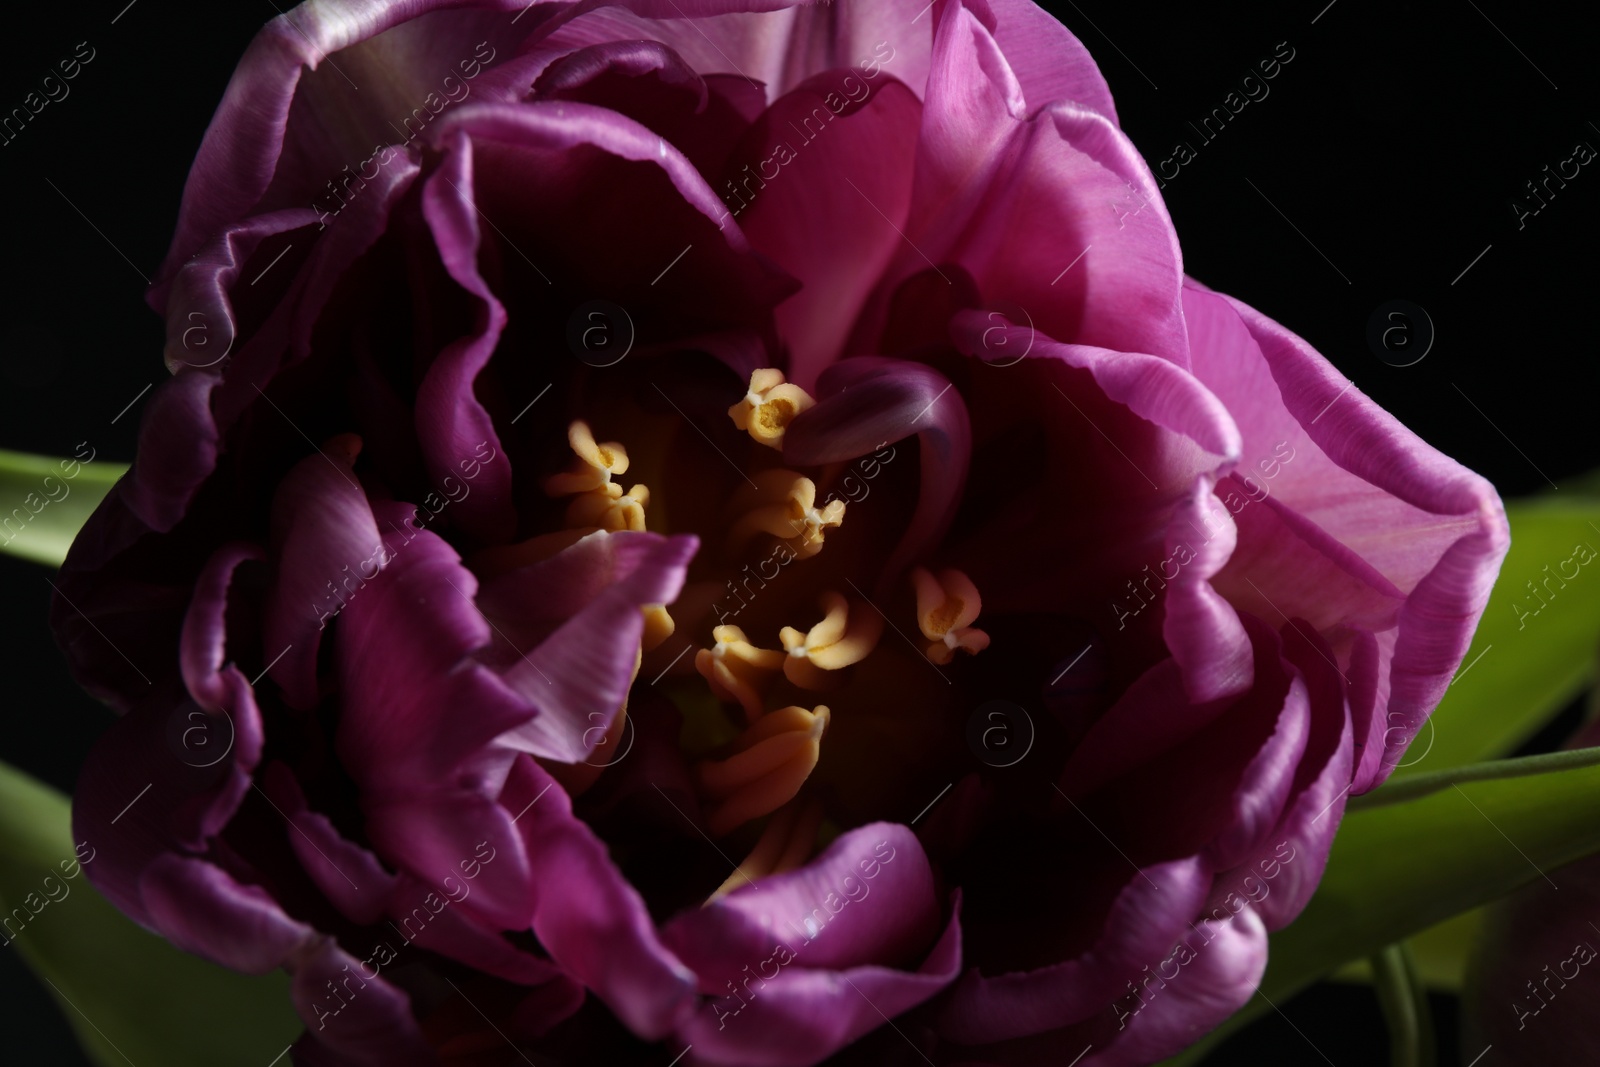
point(1044, 605)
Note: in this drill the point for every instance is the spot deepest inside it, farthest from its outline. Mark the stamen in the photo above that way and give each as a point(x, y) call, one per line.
point(737, 670)
point(596, 463)
point(769, 407)
point(785, 845)
point(773, 759)
point(946, 608)
point(658, 626)
point(842, 637)
point(600, 503)
point(609, 508)
point(784, 505)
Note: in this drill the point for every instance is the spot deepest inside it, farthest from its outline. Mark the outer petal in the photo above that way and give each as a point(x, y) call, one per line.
point(800, 907)
point(347, 874)
point(1152, 388)
point(202, 327)
point(428, 915)
point(1201, 628)
point(808, 1014)
point(1290, 860)
point(819, 154)
point(404, 653)
point(327, 545)
point(579, 674)
point(1049, 62)
point(1146, 918)
point(822, 954)
point(203, 910)
point(452, 426)
point(246, 141)
point(178, 445)
point(779, 49)
point(1284, 563)
point(1223, 788)
point(1057, 214)
point(437, 833)
point(593, 922)
point(1433, 529)
point(150, 786)
point(1227, 962)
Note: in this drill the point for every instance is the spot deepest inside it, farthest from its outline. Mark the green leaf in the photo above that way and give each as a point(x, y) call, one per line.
point(42, 505)
point(1441, 953)
point(1530, 656)
point(1400, 868)
point(132, 997)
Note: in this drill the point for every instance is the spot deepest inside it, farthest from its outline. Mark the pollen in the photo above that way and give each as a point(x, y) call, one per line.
point(947, 606)
point(844, 636)
point(769, 406)
point(772, 760)
point(785, 845)
point(596, 463)
point(736, 670)
point(784, 504)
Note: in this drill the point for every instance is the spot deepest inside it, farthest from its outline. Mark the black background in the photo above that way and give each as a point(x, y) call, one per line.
point(1383, 161)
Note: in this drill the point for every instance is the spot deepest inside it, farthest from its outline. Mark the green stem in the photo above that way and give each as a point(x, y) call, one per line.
point(1405, 1007)
point(1420, 785)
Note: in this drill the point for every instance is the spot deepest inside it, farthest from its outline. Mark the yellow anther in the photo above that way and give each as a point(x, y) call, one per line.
point(658, 626)
point(946, 608)
point(769, 407)
point(596, 463)
point(783, 504)
point(785, 845)
point(842, 637)
point(774, 757)
point(609, 508)
point(737, 670)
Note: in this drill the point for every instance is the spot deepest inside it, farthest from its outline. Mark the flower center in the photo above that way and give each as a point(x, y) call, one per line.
point(756, 760)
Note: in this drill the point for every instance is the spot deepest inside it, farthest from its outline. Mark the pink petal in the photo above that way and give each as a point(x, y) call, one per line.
point(326, 546)
point(818, 153)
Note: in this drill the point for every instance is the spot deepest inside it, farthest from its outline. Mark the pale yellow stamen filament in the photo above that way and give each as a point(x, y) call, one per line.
point(843, 637)
point(785, 845)
point(599, 503)
point(783, 504)
point(596, 463)
point(737, 670)
point(773, 759)
point(946, 608)
point(769, 406)
point(609, 508)
point(658, 626)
